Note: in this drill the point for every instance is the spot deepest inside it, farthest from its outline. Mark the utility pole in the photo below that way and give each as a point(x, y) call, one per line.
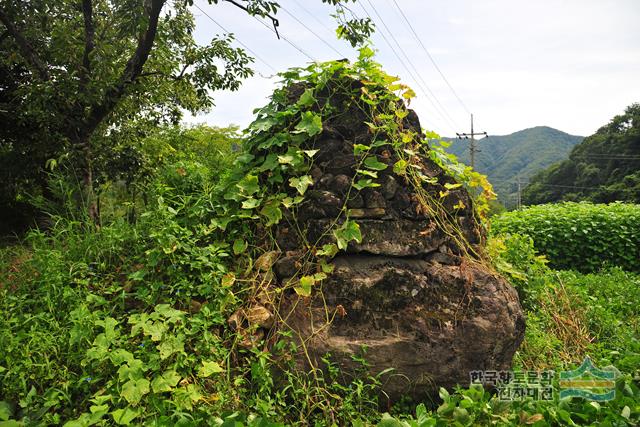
point(519, 194)
point(472, 144)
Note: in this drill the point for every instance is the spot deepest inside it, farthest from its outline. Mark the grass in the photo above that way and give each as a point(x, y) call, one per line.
point(127, 324)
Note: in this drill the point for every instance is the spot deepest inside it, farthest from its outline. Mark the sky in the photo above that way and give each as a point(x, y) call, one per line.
point(515, 64)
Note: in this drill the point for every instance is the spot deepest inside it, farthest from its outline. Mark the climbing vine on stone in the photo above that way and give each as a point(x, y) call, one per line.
point(275, 172)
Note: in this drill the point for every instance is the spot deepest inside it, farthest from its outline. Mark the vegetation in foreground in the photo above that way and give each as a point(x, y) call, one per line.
point(126, 323)
point(86, 339)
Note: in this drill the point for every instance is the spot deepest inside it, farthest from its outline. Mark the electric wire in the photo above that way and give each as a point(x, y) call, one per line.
point(252, 52)
point(384, 37)
point(442, 108)
point(286, 39)
point(313, 32)
point(404, 65)
point(312, 15)
point(424, 48)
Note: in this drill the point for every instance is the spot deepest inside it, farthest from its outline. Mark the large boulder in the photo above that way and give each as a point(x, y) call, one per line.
point(433, 320)
point(415, 289)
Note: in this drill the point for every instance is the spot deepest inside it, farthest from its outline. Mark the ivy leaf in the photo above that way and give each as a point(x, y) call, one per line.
point(250, 203)
point(272, 212)
point(319, 277)
point(124, 416)
point(452, 186)
point(133, 390)
point(329, 250)
point(292, 157)
point(277, 140)
point(349, 231)
point(239, 246)
point(407, 136)
point(209, 368)
point(269, 164)
point(249, 185)
point(372, 174)
point(310, 153)
point(289, 202)
point(400, 167)
point(301, 184)
point(373, 163)
point(360, 148)
point(154, 329)
point(171, 345)
point(264, 124)
point(311, 123)
point(304, 286)
point(365, 183)
point(306, 98)
point(185, 397)
point(165, 382)
point(408, 94)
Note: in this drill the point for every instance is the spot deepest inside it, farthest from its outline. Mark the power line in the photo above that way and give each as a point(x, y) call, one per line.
point(236, 39)
point(313, 32)
point(441, 107)
point(292, 44)
point(424, 48)
point(384, 37)
point(312, 15)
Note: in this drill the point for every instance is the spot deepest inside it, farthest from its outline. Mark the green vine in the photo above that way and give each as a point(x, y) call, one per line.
point(273, 177)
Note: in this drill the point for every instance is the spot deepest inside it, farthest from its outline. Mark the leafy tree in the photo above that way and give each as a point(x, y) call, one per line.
point(76, 71)
point(604, 168)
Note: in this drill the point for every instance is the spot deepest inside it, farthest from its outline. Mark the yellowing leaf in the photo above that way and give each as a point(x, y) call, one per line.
point(133, 390)
point(329, 250)
point(228, 279)
point(408, 94)
point(452, 186)
point(304, 286)
point(400, 167)
point(301, 184)
point(209, 368)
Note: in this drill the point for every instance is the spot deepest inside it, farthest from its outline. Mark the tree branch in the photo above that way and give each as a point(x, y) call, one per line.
point(89, 40)
point(26, 50)
point(131, 72)
point(262, 13)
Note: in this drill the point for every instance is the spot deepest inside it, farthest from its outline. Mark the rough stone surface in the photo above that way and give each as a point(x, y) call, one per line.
point(432, 323)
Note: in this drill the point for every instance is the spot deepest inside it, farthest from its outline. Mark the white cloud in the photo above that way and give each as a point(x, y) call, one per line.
point(570, 64)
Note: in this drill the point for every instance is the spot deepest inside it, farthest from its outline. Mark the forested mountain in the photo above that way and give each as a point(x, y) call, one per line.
point(605, 167)
point(523, 153)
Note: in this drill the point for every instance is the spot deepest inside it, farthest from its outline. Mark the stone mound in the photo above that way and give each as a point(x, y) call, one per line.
point(411, 291)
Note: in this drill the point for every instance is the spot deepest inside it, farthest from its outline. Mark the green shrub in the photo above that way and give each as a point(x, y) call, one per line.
point(579, 236)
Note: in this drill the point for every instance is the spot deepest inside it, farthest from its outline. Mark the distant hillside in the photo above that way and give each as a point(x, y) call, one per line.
point(604, 168)
point(523, 153)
